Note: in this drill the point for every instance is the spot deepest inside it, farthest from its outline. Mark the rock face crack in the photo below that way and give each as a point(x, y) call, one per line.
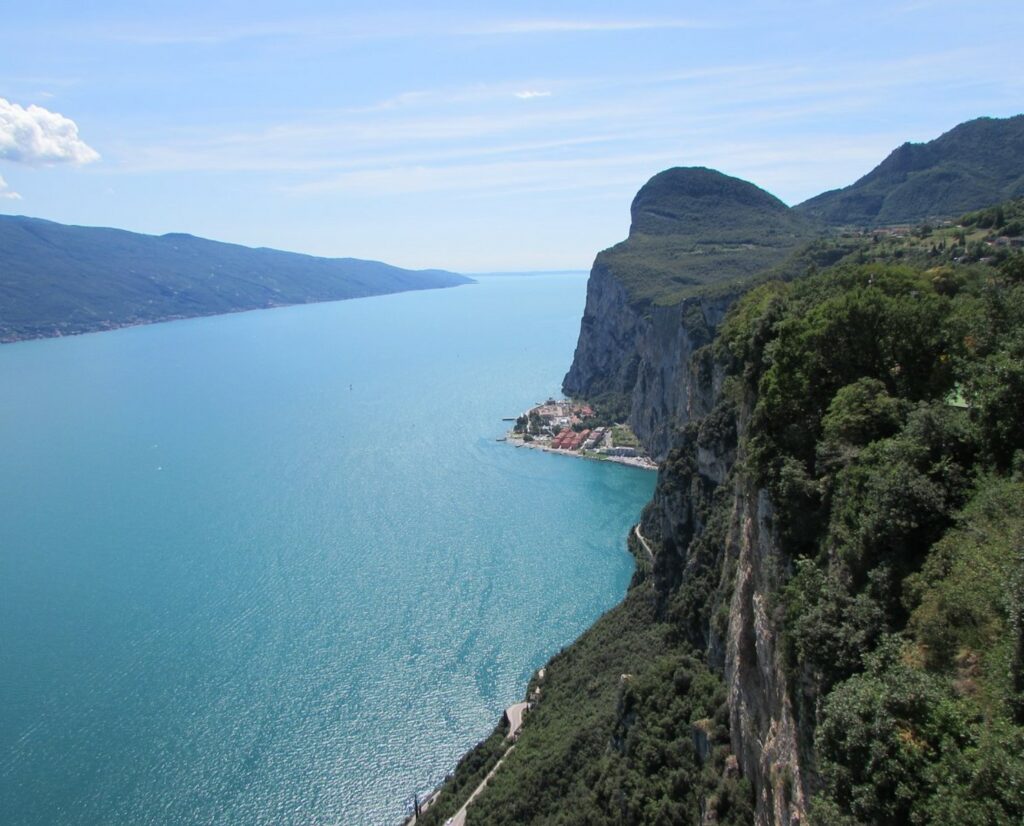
point(764, 731)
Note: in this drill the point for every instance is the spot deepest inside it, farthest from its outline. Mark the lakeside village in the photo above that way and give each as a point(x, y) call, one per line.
point(570, 427)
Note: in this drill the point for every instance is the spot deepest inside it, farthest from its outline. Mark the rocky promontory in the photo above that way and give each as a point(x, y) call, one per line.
point(696, 240)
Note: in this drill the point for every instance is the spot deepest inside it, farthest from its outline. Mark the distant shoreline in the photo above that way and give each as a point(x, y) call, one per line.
point(524, 273)
point(113, 326)
point(68, 280)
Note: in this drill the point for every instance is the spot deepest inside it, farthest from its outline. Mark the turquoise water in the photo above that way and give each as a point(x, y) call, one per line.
point(274, 567)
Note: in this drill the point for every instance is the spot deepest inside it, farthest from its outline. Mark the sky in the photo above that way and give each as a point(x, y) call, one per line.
point(469, 136)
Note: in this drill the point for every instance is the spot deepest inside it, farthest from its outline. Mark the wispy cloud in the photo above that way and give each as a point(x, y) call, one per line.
point(37, 136)
point(371, 28)
point(340, 140)
point(473, 119)
point(524, 175)
point(6, 193)
point(577, 26)
point(592, 133)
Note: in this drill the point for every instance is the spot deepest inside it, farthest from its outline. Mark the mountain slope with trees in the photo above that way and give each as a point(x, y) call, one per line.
point(831, 628)
point(60, 280)
point(693, 228)
point(976, 164)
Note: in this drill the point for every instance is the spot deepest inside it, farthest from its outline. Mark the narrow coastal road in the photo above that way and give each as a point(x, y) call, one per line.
point(460, 816)
point(411, 821)
point(643, 542)
point(515, 722)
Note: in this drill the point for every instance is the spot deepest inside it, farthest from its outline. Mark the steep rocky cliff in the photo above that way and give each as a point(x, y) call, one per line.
point(825, 618)
point(764, 730)
point(717, 568)
point(653, 348)
point(696, 239)
point(644, 353)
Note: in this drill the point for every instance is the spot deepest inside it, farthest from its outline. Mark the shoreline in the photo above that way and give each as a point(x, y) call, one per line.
point(641, 462)
point(514, 439)
point(109, 326)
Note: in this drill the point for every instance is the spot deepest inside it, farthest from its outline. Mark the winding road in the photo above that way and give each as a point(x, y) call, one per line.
point(643, 542)
point(514, 715)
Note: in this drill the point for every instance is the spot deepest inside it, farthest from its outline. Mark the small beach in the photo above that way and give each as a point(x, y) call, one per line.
point(641, 462)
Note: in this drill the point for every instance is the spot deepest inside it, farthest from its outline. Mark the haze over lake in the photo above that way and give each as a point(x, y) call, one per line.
point(274, 568)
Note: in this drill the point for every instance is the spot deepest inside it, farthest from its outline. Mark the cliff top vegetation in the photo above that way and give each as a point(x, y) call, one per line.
point(886, 428)
point(694, 229)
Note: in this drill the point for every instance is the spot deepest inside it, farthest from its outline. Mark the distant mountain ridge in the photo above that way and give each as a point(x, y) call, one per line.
point(58, 280)
point(973, 165)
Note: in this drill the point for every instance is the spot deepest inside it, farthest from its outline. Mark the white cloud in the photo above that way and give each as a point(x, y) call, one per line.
point(528, 94)
point(38, 136)
point(6, 193)
point(349, 27)
point(526, 175)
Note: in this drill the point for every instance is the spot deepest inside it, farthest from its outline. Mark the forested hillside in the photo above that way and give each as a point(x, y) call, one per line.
point(885, 424)
point(829, 627)
point(971, 166)
point(60, 280)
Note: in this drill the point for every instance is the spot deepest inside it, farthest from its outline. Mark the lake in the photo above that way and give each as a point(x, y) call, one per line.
point(274, 567)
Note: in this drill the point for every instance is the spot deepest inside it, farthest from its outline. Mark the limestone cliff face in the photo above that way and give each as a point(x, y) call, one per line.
point(718, 561)
point(644, 354)
point(765, 735)
point(696, 236)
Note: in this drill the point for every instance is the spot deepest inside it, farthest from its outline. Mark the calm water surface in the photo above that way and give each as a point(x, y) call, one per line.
point(274, 568)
